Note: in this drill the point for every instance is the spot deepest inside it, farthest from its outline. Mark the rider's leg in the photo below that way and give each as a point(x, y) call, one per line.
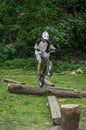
point(39, 66)
point(39, 60)
point(46, 58)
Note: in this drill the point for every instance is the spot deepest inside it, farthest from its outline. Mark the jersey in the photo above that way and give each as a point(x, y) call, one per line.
point(43, 45)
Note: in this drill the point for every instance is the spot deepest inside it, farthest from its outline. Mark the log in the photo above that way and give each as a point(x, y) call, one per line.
point(11, 81)
point(24, 89)
point(70, 116)
point(60, 88)
point(48, 83)
point(55, 110)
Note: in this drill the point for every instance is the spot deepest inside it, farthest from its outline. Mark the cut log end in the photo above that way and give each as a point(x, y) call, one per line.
point(69, 106)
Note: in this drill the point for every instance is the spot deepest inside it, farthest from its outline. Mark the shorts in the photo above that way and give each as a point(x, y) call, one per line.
point(40, 55)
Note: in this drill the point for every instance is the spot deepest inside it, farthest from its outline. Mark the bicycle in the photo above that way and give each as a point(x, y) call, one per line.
point(48, 70)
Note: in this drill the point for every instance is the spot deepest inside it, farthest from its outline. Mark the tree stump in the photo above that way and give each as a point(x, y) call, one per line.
point(70, 116)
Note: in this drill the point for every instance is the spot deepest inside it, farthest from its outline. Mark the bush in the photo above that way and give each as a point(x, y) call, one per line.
point(32, 64)
point(65, 66)
point(6, 52)
point(20, 63)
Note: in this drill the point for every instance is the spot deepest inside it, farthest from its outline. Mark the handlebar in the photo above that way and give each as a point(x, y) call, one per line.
point(52, 51)
point(48, 53)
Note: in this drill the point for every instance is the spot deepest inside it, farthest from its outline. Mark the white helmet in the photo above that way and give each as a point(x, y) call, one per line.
point(45, 35)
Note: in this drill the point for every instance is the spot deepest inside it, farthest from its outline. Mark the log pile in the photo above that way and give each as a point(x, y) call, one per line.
point(66, 117)
point(69, 117)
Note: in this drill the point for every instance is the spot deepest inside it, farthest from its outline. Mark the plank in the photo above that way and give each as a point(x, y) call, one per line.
point(54, 109)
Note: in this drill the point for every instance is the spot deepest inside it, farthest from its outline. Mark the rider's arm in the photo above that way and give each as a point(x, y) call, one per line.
point(37, 43)
point(36, 46)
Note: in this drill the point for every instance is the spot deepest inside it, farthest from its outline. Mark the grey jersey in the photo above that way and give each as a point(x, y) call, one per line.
point(43, 45)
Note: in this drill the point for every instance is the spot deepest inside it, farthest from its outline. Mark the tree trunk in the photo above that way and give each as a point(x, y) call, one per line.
point(24, 89)
point(70, 116)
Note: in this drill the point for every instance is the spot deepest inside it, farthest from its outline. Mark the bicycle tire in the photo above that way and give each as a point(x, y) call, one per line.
point(41, 80)
point(49, 68)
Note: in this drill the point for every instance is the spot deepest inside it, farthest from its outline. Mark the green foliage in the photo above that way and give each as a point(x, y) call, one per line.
point(22, 23)
point(32, 64)
point(20, 63)
point(65, 66)
point(6, 51)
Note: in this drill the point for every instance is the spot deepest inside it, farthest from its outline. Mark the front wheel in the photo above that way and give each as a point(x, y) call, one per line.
point(49, 68)
point(41, 80)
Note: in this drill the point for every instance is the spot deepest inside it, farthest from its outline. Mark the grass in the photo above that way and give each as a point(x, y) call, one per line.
point(30, 112)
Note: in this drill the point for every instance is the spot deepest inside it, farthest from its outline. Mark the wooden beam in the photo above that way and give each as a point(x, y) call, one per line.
point(11, 81)
point(48, 83)
point(55, 110)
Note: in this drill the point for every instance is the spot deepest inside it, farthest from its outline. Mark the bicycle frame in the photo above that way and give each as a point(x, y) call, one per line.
point(46, 69)
point(47, 59)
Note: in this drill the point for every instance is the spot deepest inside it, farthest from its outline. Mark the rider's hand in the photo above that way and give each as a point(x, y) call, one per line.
point(36, 47)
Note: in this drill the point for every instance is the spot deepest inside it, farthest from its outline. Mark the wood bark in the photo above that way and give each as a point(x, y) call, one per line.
point(59, 128)
point(70, 116)
point(24, 89)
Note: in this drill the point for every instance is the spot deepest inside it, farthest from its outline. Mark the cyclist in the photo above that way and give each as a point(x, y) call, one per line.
point(41, 47)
